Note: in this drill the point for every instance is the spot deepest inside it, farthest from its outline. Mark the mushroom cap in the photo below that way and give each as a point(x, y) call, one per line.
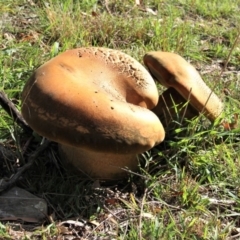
point(171, 70)
point(94, 98)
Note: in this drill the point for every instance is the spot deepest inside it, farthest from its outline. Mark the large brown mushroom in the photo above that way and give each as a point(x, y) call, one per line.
point(96, 103)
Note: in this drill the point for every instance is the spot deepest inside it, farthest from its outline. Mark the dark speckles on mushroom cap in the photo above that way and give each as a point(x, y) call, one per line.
point(94, 98)
point(122, 63)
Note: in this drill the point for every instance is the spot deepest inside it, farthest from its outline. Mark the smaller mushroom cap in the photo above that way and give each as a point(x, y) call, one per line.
point(171, 70)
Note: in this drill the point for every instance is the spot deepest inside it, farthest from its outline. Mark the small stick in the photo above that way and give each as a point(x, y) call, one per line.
point(12, 111)
point(106, 5)
point(6, 184)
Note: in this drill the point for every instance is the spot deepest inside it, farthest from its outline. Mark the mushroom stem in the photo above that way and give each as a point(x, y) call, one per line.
point(171, 70)
point(173, 109)
point(97, 165)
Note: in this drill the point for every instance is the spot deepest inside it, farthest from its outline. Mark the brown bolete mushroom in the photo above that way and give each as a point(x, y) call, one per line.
point(184, 85)
point(95, 103)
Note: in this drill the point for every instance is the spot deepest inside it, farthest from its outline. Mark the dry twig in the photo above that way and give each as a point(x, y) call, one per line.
point(6, 184)
point(12, 111)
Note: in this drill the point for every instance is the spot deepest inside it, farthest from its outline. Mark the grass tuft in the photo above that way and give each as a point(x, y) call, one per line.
point(187, 187)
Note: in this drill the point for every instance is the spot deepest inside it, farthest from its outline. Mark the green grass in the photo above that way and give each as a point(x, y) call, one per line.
point(172, 196)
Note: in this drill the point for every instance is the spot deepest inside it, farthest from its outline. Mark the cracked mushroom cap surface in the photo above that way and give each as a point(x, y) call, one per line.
point(94, 98)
